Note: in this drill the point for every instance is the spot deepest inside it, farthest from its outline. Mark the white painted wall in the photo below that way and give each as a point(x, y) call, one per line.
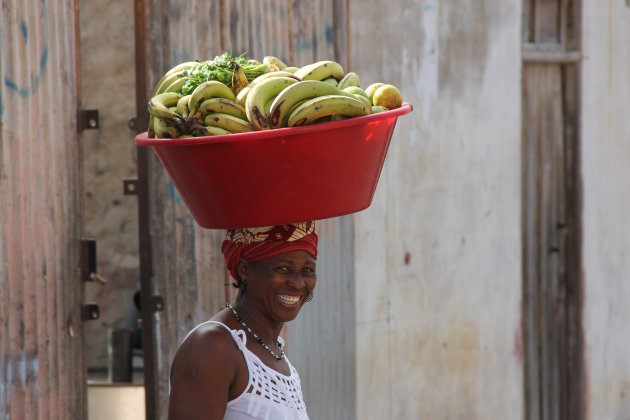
point(438, 336)
point(606, 178)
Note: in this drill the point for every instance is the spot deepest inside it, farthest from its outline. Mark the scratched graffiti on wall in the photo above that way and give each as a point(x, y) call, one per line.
point(26, 43)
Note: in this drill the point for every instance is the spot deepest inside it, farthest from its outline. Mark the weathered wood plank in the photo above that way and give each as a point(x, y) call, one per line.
point(41, 351)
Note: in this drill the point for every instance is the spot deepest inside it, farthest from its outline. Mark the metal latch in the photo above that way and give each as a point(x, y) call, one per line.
point(88, 261)
point(157, 303)
point(130, 186)
point(90, 311)
point(87, 119)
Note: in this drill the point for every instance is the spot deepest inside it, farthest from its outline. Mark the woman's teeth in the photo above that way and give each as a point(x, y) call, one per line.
point(289, 299)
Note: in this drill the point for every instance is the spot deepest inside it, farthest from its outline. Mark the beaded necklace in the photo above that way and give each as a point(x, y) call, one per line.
point(260, 341)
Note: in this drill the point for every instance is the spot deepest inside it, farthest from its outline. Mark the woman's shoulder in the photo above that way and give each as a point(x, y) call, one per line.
point(215, 334)
point(208, 347)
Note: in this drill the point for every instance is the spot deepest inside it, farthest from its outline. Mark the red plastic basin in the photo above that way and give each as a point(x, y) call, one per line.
point(279, 176)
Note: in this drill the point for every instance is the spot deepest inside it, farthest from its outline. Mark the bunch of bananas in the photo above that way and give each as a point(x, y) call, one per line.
point(283, 96)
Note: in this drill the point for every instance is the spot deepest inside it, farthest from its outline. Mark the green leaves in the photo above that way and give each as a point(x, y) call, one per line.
point(220, 69)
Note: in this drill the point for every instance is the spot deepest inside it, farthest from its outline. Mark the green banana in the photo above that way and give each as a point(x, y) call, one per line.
point(241, 98)
point(151, 129)
point(268, 106)
point(298, 92)
point(159, 105)
point(322, 106)
point(176, 86)
point(242, 95)
point(258, 97)
point(355, 90)
point(321, 70)
point(212, 131)
point(272, 74)
point(228, 122)
point(206, 90)
point(177, 69)
point(331, 81)
point(222, 105)
point(378, 108)
point(350, 79)
point(291, 69)
point(182, 106)
point(270, 59)
point(166, 82)
point(165, 129)
point(366, 101)
point(369, 91)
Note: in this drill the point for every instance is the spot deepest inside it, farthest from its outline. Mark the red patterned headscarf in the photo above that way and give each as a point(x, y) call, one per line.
point(256, 244)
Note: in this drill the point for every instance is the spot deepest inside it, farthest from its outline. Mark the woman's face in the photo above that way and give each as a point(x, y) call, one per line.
point(280, 285)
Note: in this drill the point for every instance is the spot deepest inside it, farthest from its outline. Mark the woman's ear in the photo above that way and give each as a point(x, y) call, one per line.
point(241, 269)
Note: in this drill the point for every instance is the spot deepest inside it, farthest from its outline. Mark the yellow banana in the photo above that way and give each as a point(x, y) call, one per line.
point(239, 79)
point(322, 106)
point(159, 105)
point(321, 70)
point(270, 59)
point(206, 90)
point(292, 95)
point(228, 122)
point(222, 105)
point(331, 81)
point(291, 69)
point(350, 79)
point(258, 97)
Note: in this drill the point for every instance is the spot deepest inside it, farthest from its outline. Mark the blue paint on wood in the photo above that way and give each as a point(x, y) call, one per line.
point(31, 86)
point(25, 30)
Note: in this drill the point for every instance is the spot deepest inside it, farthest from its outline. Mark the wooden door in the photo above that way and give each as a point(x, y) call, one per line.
point(553, 284)
point(42, 370)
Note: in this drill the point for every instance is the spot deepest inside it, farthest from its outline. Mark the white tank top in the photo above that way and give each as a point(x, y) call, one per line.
point(269, 395)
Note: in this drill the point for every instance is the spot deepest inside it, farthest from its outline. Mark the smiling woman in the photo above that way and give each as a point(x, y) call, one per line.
point(217, 373)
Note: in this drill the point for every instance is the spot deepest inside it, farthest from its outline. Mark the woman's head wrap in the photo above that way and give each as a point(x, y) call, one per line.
point(256, 244)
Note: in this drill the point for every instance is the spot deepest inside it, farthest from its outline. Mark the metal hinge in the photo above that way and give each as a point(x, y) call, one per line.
point(87, 119)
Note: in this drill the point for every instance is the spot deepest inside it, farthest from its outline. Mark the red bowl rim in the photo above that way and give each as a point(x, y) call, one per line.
point(142, 139)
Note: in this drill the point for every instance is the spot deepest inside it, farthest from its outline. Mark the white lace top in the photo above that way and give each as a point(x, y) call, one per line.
point(269, 395)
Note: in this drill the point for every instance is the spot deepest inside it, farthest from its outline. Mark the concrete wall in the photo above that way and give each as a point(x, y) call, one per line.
point(438, 254)
point(108, 84)
point(606, 171)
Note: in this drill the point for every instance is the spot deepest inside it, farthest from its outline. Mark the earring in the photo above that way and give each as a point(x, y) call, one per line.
point(310, 297)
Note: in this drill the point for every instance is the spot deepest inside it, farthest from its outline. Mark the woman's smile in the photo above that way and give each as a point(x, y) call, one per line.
point(289, 300)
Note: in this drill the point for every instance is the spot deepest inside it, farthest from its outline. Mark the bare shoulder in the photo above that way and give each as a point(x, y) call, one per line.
point(203, 372)
point(206, 346)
